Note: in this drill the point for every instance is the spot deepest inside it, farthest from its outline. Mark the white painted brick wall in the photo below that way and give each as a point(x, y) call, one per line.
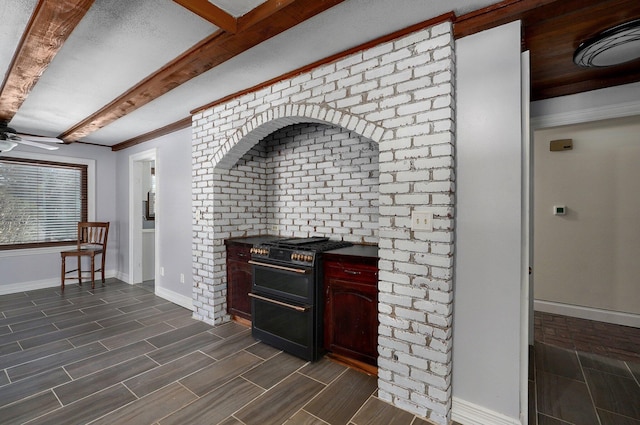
point(249, 175)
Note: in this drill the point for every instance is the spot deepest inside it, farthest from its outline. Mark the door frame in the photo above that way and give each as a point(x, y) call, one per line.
point(135, 214)
point(526, 289)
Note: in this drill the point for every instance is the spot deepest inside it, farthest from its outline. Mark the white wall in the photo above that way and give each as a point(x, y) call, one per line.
point(23, 270)
point(173, 213)
point(486, 329)
point(589, 257)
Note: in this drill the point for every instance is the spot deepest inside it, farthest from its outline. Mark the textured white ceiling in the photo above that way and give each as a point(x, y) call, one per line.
point(120, 42)
point(237, 7)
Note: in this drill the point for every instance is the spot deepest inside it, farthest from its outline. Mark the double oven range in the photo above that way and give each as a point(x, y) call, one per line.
point(286, 294)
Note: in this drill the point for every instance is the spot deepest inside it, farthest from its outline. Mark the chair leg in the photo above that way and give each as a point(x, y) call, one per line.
point(102, 269)
point(79, 270)
point(63, 260)
point(93, 272)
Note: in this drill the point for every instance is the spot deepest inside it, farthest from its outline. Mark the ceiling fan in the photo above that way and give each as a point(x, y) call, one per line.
point(9, 139)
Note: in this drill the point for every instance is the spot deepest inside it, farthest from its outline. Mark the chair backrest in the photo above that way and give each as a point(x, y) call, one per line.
point(93, 234)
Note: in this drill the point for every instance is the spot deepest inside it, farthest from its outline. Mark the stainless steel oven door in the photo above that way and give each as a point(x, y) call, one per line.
point(283, 282)
point(289, 327)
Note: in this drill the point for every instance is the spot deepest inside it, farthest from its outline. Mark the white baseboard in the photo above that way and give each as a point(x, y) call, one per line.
point(175, 298)
point(14, 288)
point(123, 277)
point(467, 413)
point(590, 313)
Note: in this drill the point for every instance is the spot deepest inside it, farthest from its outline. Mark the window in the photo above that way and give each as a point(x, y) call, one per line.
point(41, 202)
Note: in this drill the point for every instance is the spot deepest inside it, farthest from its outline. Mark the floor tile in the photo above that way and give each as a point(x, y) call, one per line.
point(160, 376)
point(107, 359)
point(12, 347)
point(91, 384)
point(29, 408)
point(341, 399)
point(324, 370)
point(45, 320)
point(262, 350)
point(558, 361)
point(610, 418)
point(43, 364)
point(565, 398)
point(216, 405)
point(181, 348)
point(377, 411)
point(548, 420)
point(281, 402)
point(226, 347)
point(274, 370)
point(604, 364)
point(614, 393)
point(219, 373)
point(69, 333)
point(31, 386)
point(15, 358)
point(151, 408)
point(304, 418)
point(89, 408)
point(635, 370)
point(176, 335)
point(140, 334)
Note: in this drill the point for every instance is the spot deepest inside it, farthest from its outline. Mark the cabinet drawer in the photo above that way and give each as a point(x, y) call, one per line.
point(359, 272)
point(238, 252)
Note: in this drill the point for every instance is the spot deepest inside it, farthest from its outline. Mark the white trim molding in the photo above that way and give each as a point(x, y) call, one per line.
point(175, 298)
point(467, 413)
point(589, 313)
point(586, 115)
point(14, 288)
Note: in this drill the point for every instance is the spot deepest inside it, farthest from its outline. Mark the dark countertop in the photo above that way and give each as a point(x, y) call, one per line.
point(354, 251)
point(365, 251)
point(251, 240)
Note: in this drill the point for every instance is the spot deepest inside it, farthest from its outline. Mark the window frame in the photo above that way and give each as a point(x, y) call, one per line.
point(89, 201)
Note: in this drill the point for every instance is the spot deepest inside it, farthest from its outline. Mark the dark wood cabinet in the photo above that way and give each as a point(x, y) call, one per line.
point(351, 307)
point(239, 280)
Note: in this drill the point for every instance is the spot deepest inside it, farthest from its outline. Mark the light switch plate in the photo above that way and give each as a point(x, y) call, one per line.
point(421, 220)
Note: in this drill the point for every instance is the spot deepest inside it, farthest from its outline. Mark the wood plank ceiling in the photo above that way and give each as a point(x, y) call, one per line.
point(552, 30)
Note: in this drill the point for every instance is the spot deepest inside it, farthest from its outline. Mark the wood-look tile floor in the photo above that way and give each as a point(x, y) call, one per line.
point(121, 355)
point(586, 373)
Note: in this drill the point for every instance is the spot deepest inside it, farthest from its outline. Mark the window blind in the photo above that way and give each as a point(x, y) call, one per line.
point(41, 202)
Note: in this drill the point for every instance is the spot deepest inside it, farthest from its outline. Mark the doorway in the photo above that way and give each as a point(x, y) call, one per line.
point(143, 223)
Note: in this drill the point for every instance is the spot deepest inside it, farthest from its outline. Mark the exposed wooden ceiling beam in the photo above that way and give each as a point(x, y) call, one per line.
point(211, 13)
point(167, 129)
point(210, 52)
point(50, 25)
point(262, 12)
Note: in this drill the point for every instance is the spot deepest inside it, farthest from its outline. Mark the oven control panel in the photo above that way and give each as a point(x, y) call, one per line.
point(283, 255)
point(302, 257)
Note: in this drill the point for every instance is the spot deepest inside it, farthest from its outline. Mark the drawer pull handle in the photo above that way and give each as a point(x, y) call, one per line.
point(280, 303)
point(275, 266)
point(352, 272)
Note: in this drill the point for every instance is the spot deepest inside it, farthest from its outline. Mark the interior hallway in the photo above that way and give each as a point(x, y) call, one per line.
point(586, 372)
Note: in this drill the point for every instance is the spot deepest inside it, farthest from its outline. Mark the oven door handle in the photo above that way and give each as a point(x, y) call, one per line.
point(280, 303)
point(275, 266)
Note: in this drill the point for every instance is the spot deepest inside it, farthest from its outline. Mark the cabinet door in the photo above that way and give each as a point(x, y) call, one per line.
point(238, 288)
point(351, 319)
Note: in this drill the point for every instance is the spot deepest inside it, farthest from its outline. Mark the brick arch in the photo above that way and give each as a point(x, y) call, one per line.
point(267, 122)
point(400, 94)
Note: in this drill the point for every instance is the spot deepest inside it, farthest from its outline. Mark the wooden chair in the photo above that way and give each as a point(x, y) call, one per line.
point(92, 240)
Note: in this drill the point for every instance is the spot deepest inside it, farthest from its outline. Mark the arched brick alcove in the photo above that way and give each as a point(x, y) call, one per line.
point(400, 95)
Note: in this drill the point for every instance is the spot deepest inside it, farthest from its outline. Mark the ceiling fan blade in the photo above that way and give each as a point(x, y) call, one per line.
point(37, 144)
point(39, 138)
